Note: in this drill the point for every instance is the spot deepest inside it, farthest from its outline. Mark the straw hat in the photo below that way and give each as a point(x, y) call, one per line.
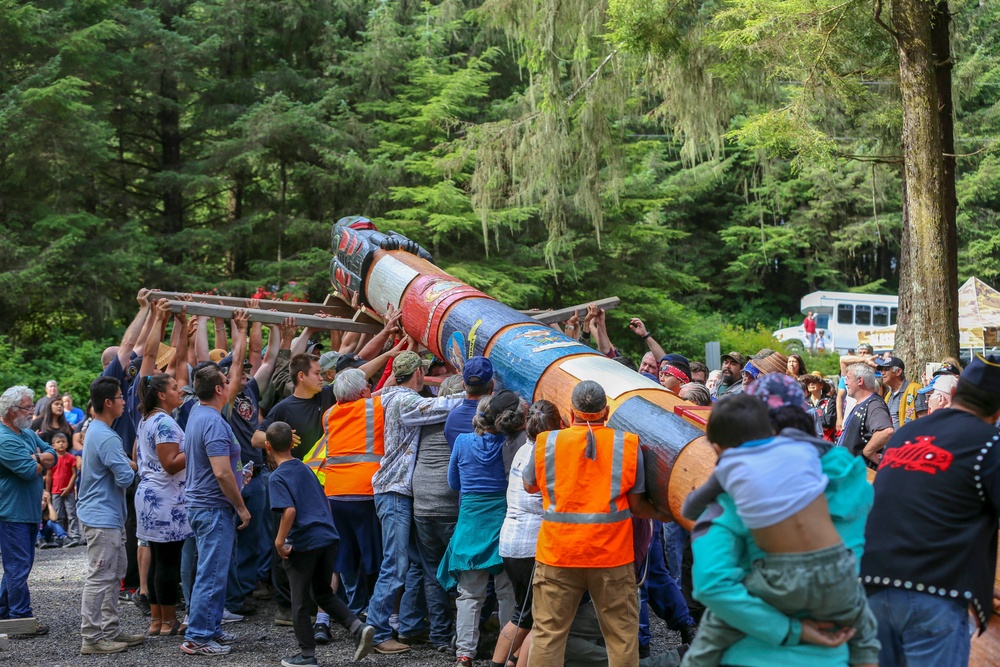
point(164, 355)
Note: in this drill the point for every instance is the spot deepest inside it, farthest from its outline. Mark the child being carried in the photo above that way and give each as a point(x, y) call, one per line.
point(777, 484)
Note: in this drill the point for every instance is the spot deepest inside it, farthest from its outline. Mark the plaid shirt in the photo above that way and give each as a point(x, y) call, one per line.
point(405, 412)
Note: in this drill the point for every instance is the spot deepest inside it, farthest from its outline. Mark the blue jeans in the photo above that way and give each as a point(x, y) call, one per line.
point(674, 539)
point(920, 629)
point(395, 511)
point(17, 550)
point(189, 565)
point(433, 535)
point(251, 542)
point(215, 532)
point(660, 592)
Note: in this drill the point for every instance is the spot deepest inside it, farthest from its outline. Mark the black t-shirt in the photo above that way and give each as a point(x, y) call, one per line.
point(933, 527)
point(866, 419)
point(304, 415)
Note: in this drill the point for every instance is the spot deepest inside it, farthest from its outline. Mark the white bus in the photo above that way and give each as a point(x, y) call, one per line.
point(841, 315)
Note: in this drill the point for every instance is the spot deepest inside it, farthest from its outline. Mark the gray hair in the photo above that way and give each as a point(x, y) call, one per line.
point(588, 396)
point(865, 372)
point(51, 383)
point(696, 393)
point(349, 385)
point(451, 385)
point(12, 397)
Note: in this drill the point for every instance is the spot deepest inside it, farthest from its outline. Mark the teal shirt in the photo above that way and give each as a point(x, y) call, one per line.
point(724, 551)
point(20, 487)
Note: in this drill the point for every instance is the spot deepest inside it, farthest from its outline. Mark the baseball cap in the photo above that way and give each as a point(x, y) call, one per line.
point(328, 360)
point(947, 369)
point(312, 347)
point(751, 369)
point(946, 383)
point(984, 373)
point(407, 363)
point(891, 362)
point(217, 355)
point(477, 372)
point(736, 358)
point(349, 361)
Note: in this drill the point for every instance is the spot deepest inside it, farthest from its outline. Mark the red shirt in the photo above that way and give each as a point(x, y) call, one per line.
point(809, 324)
point(62, 472)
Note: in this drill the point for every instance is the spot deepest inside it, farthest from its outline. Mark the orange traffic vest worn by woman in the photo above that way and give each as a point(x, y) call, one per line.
point(586, 521)
point(355, 446)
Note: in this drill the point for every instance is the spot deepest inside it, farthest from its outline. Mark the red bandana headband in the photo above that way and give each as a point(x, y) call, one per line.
point(675, 372)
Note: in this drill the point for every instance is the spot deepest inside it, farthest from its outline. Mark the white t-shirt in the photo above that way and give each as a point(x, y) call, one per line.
point(159, 497)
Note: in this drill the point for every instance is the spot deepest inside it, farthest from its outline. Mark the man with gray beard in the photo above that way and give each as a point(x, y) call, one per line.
point(24, 458)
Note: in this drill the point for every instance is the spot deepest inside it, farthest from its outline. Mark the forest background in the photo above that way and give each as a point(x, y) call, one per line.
point(707, 162)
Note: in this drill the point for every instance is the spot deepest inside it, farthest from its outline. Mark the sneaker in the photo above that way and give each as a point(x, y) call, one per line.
point(298, 661)
point(445, 649)
point(230, 617)
point(261, 591)
point(283, 617)
point(50, 545)
point(129, 640)
point(363, 637)
point(420, 638)
point(141, 601)
point(102, 647)
point(125, 594)
point(463, 661)
point(390, 647)
point(224, 637)
point(208, 648)
point(40, 631)
point(69, 544)
point(321, 632)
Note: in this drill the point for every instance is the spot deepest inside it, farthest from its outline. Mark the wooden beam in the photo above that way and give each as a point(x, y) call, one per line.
point(272, 317)
point(563, 314)
point(329, 309)
point(19, 626)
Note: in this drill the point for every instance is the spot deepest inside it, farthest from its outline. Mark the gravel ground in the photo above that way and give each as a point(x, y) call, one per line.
point(56, 582)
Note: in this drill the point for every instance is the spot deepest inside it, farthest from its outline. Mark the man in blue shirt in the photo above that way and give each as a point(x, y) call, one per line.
point(105, 474)
point(477, 376)
point(24, 458)
point(214, 505)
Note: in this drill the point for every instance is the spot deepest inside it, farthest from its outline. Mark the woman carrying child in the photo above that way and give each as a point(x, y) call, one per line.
point(159, 497)
point(476, 471)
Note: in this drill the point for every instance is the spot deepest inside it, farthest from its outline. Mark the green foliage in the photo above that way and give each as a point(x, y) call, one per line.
point(73, 361)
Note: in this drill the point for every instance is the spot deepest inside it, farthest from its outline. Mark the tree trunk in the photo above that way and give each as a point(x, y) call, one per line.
point(928, 313)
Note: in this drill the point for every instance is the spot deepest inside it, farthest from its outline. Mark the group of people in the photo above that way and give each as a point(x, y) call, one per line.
point(369, 487)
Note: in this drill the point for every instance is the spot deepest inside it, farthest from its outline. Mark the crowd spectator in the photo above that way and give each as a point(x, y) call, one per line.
point(900, 394)
point(405, 413)
point(821, 402)
point(730, 378)
point(949, 367)
point(696, 393)
point(105, 474)
point(24, 458)
point(846, 402)
point(939, 393)
point(51, 420)
point(51, 535)
point(51, 393)
point(699, 372)
point(159, 497)
point(61, 483)
point(931, 540)
point(476, 471)
point(214, 506)
point(795, 366)
point(868, 426)
point(73, 415)
point(809, 326)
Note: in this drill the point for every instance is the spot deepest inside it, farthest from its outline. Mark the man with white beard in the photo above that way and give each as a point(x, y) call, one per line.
point(24, 458)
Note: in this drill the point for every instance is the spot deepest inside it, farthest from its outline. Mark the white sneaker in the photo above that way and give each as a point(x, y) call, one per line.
point(230, 617)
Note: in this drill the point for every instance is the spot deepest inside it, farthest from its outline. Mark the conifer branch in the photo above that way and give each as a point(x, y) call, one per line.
point(877, 16)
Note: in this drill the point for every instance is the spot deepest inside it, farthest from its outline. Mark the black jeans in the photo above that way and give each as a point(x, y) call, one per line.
point(311, 572)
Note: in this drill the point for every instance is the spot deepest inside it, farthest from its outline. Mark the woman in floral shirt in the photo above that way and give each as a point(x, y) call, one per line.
point(159, 497)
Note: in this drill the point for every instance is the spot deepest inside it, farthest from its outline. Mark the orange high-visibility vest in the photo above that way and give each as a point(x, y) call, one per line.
point(586, 520)
point(354, 448)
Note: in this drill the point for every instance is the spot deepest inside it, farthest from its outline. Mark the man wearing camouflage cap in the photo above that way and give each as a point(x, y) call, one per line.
point(405, 412)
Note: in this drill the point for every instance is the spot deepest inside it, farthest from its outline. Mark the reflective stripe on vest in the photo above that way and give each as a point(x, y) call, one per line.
point(614, 513)
point(350, 472)
point(315, 459)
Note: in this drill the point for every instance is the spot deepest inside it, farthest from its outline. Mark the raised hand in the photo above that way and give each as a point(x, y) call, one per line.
point(638, 327)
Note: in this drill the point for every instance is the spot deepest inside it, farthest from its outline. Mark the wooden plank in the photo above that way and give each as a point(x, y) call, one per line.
point(335, 308)
point(19, 626)
point(563, 314)
point(271, 317)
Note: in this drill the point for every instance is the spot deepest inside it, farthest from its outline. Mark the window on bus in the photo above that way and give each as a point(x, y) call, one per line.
point(863, 315)
point(845, 313)
point(822, 322)
point(892, 315)
point(880, 316)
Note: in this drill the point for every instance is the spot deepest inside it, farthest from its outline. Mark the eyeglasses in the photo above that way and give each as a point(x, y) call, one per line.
point(119, 397)
point(26, 408)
